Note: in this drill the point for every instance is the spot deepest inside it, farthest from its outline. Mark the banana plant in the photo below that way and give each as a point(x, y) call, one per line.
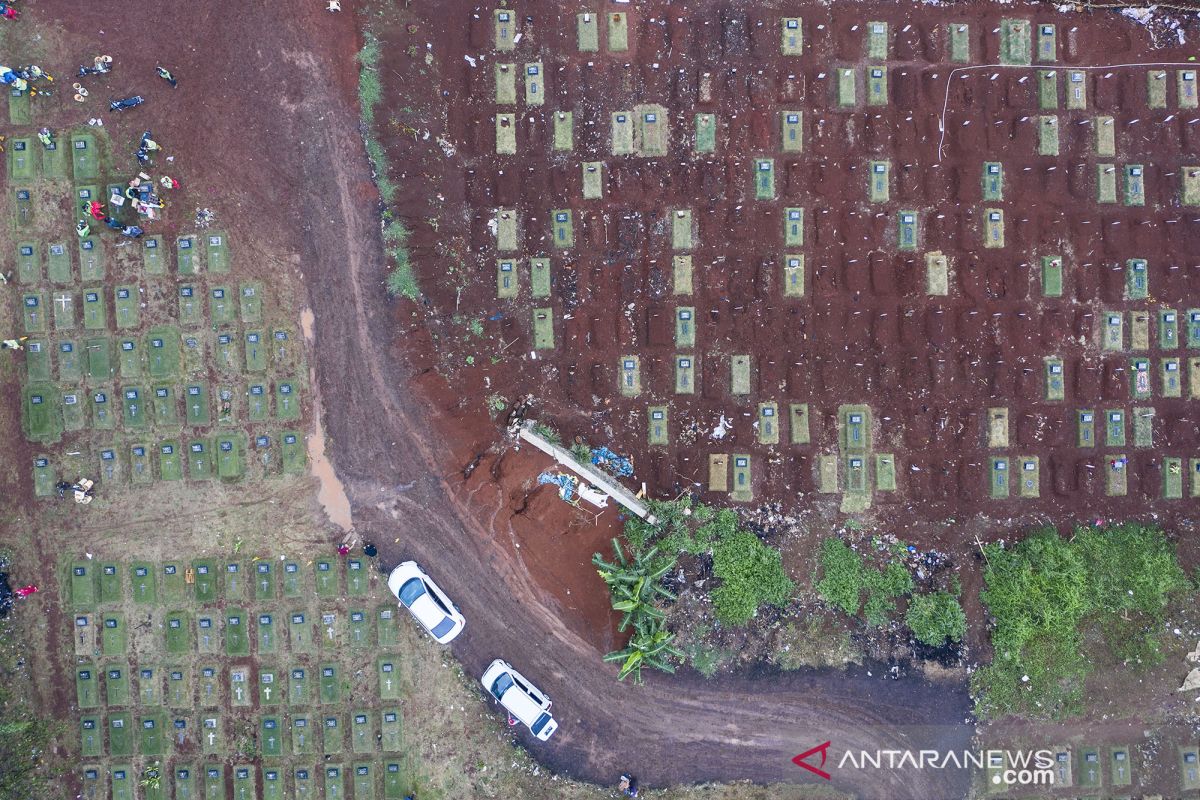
point(651, 647)
point(635, 583)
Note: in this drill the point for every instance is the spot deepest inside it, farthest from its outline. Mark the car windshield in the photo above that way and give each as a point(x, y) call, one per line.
point(541, 723)
point(442, 628)
point(411, 590)
point(502, 685)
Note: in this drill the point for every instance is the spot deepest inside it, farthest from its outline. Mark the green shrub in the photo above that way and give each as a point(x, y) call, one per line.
point(936, 617)
point(751, 575)
point(1044, 590)
point(581, 453)
point(843, 582)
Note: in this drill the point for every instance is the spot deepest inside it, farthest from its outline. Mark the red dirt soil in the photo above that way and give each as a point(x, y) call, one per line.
point(865, 332)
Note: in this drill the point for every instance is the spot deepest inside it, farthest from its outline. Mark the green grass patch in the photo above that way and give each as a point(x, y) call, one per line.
point(162, 350)
point(33, 312)
point(116, 684)
point(91, 259)
point(706, 133)
point(287, 400)
point(358, 579)
point(326, 575)
point(237, 637)
point(256, 352)
point(359, 629)
point(143, 588)
point(120, 734)
point(564, 130)
point(294, 455)
point(187, 255)
point(22, 159)
point(29, 265)
point(177, 632)
point(170, 460)
point(42, 418)
point(1046, 592)
point(87, 685)
point(85, 157)
point(389, 677)
point(113, 634)
point(849, 584)
point(330, 683)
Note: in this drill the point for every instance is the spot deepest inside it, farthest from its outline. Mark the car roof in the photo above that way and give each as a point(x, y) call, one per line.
point(427, 611)
point(521, 705)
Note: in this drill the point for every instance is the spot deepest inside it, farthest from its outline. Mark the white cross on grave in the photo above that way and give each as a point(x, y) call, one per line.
point(238, 693)
point(264, 584)
point(329, 632)
point(211, 736)
point(388, 684)
point(63, 300)
point(271, 742)
point(302, 740)
point(267, 692)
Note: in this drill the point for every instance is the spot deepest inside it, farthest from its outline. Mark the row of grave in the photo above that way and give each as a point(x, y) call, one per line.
point(229, 631)
point(512, 273)
point(644, 129)
point(55, 262)
point(645, 132)
point(107, 684)
point(684, 238)
point(224, 456)
point(135, 407)
point(855, 475)
point(387, 779)
point(159, 354)
point(224, 307)
point(1016, 41)
point(208, 580)
point(1089, 767)
point(686, 371)
point(294, 735)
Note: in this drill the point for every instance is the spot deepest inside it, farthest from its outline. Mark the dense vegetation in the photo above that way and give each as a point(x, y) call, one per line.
point(936, 618)
point(849, 584)
point(750, 574)
point(750, 570)
point(1045, 592)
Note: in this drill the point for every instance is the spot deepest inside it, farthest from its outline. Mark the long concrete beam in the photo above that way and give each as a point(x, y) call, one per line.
point(589, 473)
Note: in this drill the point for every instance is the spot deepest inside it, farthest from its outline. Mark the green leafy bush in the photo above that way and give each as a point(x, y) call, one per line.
point(843, 582)
point(1044, 590)
point(751, 575)
point(935, 618)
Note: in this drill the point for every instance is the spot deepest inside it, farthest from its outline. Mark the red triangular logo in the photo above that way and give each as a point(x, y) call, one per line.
point(823, 750)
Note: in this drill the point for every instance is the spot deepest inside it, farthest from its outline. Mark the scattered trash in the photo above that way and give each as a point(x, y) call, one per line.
point(618, 465)
point(205, 217)
point(565, 483)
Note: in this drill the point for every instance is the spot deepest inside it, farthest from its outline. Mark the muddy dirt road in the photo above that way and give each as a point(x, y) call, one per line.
point(280, 137)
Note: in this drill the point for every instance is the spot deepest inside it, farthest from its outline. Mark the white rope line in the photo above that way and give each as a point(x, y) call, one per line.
point(950, 77)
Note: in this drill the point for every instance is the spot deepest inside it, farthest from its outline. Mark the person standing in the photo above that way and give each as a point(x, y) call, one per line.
point(166, 75)
point(83, 229)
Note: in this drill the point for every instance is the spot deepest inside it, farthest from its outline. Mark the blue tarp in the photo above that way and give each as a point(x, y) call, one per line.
point(617, 465)
point(565, 483)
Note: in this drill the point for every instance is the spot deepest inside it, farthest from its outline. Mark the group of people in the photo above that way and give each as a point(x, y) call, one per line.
point(24, 78)
point(139, 194)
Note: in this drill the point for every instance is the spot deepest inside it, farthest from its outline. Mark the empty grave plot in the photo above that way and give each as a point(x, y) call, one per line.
point(777, 214)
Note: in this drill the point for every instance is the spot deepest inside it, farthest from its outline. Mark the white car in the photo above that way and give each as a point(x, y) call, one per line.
point(520, 698)
point(428, 604)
